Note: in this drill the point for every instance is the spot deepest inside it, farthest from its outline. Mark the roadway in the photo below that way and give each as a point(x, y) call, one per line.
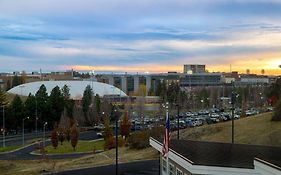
point(16, 140)
point(24, 153)
point(150, 167)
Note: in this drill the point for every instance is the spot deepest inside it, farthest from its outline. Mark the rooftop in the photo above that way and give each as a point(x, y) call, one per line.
point(224, 154)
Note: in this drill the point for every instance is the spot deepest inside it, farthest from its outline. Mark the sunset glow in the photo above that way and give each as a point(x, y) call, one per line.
point(130, 36)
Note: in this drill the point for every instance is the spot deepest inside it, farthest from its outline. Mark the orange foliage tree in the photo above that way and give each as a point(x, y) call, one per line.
point(125, 126)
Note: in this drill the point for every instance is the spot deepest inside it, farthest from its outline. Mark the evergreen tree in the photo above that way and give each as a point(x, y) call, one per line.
point(30, 105)
point(98, 103)
point(65, 92)
point(42, 104)
point(68, 103)
point(30, 108)
point(16, 113)
point(56, 103)
point(87, 100)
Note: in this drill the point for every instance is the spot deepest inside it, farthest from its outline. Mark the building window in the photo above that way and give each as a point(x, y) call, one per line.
point(172, 169)
point(164, 165)
point(179, 172)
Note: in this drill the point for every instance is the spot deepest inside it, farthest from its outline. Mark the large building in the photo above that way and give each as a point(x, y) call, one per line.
point(130, 83)
point(193, 76)
point(76, 88)
point(194, 68)
point(210, 158)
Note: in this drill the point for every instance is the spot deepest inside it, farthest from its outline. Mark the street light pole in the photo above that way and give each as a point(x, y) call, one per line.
point(4, 129)
point(116, 141)
point(36, 115)
point(44, 128)
point(178, 121)
point(233, 96)
point(23, 130)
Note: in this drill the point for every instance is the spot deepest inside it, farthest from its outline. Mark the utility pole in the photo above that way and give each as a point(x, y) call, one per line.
point(23, 130)
point(178, 121)
point(116, 141)
point(233, 99)
point(36, 117)
point(44, 130)
point(4, 129)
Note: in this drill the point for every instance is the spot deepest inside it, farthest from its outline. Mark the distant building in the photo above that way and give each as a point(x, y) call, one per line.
point(2, 85)
point(195, 68)
point(253, 79)
point(201, 79)
point(76, 88)
point(188, 157)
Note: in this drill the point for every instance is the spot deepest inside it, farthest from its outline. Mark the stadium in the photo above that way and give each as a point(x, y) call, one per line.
point(76, 88)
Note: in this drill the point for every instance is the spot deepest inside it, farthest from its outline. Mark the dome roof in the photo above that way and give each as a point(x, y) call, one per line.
point(76, 88)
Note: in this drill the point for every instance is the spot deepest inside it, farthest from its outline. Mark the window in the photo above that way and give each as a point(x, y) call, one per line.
point(164, 165)
point(179, 172)
point(172, 169)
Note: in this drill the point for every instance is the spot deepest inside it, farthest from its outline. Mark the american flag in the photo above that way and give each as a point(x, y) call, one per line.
point(165, 148)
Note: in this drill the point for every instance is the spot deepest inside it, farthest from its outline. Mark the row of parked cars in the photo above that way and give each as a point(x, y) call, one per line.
point(214, 115)
point(191, 119)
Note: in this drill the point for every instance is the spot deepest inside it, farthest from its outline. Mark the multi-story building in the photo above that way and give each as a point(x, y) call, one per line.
point(130, 83)
point(194, 68)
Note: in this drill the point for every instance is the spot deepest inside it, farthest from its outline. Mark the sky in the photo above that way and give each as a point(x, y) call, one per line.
point(140, 35)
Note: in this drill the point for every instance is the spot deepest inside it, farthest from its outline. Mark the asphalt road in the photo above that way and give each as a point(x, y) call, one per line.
point(16, 140)
point(134, 168)
point(24, 154)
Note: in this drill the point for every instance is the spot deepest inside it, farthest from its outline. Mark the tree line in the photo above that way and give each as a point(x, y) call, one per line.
point(52, 108)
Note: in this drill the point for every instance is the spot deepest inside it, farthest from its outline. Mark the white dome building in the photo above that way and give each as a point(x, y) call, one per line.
point(76, 88)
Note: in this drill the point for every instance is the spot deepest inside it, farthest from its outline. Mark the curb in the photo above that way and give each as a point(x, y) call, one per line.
point(7, 152)
point(78, 153)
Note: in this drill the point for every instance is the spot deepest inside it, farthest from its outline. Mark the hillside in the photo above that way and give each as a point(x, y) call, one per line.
point(258, 130)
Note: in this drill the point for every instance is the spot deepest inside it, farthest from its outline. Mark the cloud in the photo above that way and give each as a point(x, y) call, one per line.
point(135, 34)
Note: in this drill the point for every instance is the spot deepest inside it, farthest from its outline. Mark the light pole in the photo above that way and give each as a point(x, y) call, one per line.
point(178, 134)
point(36, 117)
point(102, 117)
point(23, 130)
point(202, 101)
point(4, 129)
point(233, 99)
point(44, 128)
point(116, 141)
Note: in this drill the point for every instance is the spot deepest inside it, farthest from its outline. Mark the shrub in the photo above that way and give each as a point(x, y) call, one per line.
point(74, 134)
point(140, 139)
point(54, 138)
point(61, 137)
point(109, 143)
point(277, 112)
point(125, 126)
point(67, 134)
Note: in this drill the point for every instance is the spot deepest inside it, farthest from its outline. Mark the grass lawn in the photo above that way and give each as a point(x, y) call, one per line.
point(82, 146)
point(259, 130)
point(8, 148)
